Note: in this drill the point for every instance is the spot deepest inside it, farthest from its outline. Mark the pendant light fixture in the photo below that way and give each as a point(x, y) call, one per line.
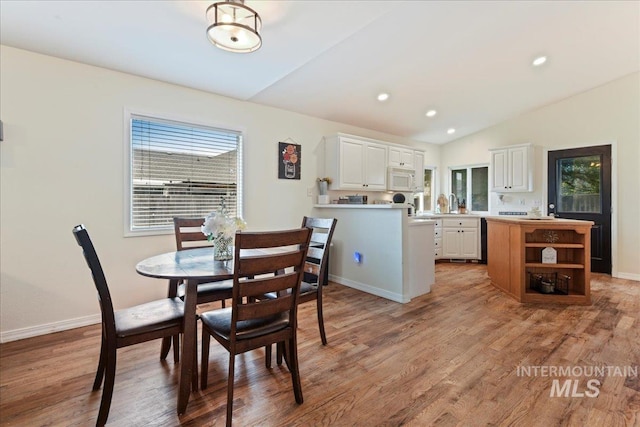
point(234, 26)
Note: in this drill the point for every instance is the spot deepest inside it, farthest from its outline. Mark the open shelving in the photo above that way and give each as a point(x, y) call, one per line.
point(519, 265)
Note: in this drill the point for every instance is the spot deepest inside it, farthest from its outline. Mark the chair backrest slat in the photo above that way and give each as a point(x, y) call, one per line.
point(269, 263)
point(265, 308)
point(319, 239)
point(187, 231)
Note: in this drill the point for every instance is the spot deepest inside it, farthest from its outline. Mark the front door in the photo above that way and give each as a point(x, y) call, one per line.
point(579, 187)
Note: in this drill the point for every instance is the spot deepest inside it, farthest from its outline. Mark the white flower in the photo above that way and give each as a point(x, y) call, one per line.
point(220, 225)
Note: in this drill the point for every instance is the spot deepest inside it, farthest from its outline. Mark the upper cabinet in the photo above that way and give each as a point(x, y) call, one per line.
point(401, 157)
point(512, 169)
point(356, 163)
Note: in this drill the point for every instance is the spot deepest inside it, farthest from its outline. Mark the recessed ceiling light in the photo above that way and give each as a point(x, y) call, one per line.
point(431, 113)
point(450, 131)
point(383, 96)
point(539, 61)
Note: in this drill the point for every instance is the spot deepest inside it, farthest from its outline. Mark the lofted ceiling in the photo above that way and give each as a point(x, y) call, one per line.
point(469, 60)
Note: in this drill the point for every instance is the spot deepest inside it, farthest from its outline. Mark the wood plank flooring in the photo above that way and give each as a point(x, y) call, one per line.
point(447, 358)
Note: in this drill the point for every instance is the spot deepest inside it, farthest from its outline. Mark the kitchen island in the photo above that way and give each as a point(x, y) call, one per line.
point(543, 260)
point(379, 249)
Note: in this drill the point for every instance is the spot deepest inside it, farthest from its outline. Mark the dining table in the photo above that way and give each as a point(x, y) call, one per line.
point(191, 266)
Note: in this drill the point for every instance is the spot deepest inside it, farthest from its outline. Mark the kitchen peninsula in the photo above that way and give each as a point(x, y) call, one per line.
point(542, 260)
point(379, 249)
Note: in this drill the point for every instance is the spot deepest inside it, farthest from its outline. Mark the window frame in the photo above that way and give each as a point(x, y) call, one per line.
point(420, 195)
point(130, 114)
point(469, 183)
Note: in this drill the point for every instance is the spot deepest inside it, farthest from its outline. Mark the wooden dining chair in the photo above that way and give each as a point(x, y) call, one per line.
point(315, 270)
point(122, 328)
point(188, 236)
point(251, 323)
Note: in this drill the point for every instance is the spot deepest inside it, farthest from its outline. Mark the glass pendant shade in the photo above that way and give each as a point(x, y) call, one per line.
point(234, 26)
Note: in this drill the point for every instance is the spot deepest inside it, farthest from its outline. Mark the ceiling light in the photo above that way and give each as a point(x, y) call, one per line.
point(431, 113)
point(450, 131)
point(383, 97)
point(539, 61)
point(234, 26)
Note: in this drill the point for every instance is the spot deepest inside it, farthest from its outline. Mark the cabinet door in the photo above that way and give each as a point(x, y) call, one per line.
point(351, 164)
point(451, 243)
point(469, 242)
point(518, 169)
point(418, 163)
point(400, 157)
point(499, 171)
point(375, 167)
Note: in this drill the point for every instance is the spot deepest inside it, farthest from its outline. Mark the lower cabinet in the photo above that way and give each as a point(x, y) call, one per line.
point(437, 232)
point(461, 238)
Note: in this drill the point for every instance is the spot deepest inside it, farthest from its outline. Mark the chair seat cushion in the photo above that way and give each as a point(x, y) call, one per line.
point(149, 317)
point(219, 322)
point(221, 289)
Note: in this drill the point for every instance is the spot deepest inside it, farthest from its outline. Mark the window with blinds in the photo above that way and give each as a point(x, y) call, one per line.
point(180, 169)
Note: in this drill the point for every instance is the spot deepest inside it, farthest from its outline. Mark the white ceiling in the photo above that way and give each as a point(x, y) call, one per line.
point(469, 60)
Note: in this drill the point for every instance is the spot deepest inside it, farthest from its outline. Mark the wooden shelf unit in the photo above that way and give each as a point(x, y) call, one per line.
point(515, 254)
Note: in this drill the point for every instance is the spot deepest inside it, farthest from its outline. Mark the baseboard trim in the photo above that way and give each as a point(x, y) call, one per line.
point(628, 276)
point(369, 289)
point(34, 331)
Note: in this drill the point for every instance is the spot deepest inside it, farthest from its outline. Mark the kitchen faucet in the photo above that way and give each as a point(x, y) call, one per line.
point(453, 207)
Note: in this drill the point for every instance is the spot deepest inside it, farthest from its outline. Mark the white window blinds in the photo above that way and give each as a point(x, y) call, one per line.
point(179, 169)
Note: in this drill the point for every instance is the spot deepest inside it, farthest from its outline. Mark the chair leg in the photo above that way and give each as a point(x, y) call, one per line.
point(107, 391)
point(176, 348)
point(172, 292)
point(323, 336)
point(279, 353)
point(267, 356)
point(204, 361)
point(291, 351)
point(101, 364)
point(166, 346)
point(232, 359)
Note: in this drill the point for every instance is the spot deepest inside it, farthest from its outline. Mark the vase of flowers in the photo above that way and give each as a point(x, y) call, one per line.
point(220, 228)
point(323, 185)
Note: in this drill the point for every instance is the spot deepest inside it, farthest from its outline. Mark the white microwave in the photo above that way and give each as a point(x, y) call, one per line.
point(400, 179)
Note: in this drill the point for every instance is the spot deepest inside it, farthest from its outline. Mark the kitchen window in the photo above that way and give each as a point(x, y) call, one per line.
point(471, 187)
point(179, 169)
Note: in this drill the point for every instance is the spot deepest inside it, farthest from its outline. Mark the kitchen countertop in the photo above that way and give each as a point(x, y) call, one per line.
point(539, 220)
point(358, 206)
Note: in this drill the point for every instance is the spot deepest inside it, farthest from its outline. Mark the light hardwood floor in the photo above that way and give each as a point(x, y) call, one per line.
point(450, 357)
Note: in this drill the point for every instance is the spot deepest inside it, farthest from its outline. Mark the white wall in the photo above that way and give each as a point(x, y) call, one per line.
point(609, 114)
point(62, 163)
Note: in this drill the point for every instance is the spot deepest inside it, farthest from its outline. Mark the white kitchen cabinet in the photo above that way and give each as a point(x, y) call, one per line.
point(420, 250)
point(460, 238)
point(512, 169)
point(355, 163)
point(418, 163)
point(401, 157)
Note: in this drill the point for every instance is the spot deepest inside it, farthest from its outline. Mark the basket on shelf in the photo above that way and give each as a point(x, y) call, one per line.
point(549, 283)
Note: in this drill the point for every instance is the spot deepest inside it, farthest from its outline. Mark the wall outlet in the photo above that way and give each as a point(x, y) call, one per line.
point(522, 202)
point(310, 192)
